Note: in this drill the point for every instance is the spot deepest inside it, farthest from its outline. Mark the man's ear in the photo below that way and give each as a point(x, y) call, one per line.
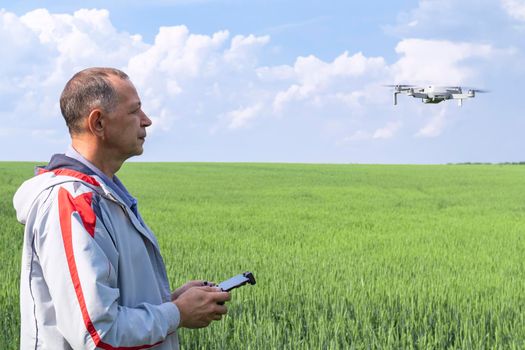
point(96, 122)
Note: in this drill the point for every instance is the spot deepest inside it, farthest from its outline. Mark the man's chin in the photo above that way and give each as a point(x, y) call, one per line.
point(137, 152)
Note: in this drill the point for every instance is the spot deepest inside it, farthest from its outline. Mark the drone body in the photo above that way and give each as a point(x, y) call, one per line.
point(434, 94)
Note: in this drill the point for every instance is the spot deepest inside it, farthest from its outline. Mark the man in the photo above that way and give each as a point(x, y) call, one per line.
point(92, 274)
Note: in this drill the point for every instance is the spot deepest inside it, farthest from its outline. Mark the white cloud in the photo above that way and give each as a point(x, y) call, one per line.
point(438, 62)
point(85, 38)
point(241, 117)
point(352, 99)
point(198, 79)
point(515, 8)
point(435, 126)
point(40, 51)
point(319, 81)
point(276, 73)
point(215, 82)
point(359, 135)
point(294, 92)
point(388, 131)
point(427, 12)
point(242, 50)
point(473, 21)
point(22, 53)
point(176, 54)
point(163, 120)
point(313, 71)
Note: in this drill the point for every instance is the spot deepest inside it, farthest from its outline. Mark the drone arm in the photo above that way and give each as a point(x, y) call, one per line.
point(461, 96)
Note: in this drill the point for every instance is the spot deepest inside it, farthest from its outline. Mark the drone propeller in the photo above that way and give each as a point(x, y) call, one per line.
point(399, 85)
point(473, 89)
point(479, 90)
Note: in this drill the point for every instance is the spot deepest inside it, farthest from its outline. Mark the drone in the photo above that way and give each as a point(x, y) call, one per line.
point(435, 94)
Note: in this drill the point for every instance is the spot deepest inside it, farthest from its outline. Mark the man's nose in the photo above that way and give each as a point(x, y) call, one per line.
point(145, 120)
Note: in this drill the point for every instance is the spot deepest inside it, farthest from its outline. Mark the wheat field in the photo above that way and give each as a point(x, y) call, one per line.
point(345, 256)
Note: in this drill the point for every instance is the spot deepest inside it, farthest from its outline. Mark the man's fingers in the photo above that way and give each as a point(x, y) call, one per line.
point(222, 297)
point(216, 293)
point(221, 309)
point(200, 305)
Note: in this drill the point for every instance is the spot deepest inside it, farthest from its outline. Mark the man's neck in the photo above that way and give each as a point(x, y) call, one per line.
point(91, 153)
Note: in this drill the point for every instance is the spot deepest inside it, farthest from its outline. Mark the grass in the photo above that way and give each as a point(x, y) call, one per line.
point(345, 256)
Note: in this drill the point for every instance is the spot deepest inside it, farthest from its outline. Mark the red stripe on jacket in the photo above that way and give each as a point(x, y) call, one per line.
point(81, 204)
point(72, 173)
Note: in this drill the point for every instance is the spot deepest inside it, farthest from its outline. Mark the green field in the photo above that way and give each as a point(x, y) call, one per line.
point(345, 256)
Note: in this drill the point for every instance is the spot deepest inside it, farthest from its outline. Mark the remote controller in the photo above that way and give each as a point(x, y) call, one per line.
point(237, 281)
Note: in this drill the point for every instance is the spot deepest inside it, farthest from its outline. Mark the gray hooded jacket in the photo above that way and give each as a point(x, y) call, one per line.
point(92, 275)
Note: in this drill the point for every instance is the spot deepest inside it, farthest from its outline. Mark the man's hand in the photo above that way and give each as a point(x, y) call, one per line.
point(177, 293)
point(198, 306)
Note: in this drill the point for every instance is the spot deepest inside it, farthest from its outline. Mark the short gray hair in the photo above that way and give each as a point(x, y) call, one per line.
point(88, 89)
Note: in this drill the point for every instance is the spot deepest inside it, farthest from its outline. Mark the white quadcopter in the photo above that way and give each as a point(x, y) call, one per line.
point(434, 94)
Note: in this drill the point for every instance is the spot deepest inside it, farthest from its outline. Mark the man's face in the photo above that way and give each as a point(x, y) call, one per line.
point(125, 126)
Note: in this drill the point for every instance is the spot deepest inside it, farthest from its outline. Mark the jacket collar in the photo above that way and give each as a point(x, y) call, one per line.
point(61, 164)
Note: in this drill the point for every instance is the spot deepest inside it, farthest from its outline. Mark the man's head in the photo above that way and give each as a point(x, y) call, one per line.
point(88, 89)
point(101, 106)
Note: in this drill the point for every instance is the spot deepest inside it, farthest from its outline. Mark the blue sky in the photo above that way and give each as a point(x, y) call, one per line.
point(275, 81)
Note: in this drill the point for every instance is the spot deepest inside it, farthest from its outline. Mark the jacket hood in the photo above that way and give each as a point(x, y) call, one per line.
point(59, 170)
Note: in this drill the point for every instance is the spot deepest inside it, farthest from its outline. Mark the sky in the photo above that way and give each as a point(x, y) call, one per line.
point(275, 80)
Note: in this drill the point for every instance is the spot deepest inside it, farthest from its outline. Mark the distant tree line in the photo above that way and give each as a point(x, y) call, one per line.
point(488, 163)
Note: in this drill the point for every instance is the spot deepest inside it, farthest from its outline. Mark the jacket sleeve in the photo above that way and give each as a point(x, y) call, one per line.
point(82, 281)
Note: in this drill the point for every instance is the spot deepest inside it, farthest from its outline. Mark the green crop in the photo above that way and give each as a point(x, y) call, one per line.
point(345, 256)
